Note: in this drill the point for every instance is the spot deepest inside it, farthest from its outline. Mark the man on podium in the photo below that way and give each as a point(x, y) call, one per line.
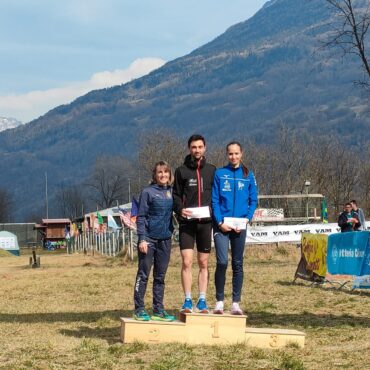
point(192, 196)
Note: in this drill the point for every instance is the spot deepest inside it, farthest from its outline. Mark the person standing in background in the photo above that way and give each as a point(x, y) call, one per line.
point(348, 219)
point(361, 215)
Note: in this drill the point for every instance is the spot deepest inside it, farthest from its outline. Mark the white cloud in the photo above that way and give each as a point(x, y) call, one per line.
point(35, 103)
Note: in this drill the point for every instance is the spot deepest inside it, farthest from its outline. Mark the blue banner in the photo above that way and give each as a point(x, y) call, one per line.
point(362, 282)
point(349, 253)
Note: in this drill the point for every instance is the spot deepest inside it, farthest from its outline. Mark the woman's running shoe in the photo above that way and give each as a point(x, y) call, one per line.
point(219, 308)
point(141, 315)
point(162, 315)
point(235, 309)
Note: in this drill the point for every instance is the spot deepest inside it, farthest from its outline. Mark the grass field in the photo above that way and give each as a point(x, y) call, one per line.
point(65, 315)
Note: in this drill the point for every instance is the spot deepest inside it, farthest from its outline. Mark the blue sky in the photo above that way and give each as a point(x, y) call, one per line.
point(53, 51)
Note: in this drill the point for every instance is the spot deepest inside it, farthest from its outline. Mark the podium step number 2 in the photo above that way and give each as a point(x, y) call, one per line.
point(208, 329)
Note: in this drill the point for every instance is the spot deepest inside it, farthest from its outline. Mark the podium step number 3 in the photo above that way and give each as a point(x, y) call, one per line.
point(196, 328)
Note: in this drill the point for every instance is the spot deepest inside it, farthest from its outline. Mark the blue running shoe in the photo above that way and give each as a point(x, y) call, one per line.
point(202, 306)
point(187, 307)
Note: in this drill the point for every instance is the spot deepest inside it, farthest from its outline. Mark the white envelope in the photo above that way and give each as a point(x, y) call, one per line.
point(199, 212)
point(236, 222)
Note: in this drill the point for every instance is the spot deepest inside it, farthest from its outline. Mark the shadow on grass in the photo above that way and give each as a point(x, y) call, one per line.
point(63, 317)
point(327, 287)
point(305, 320)
point(69, 317)
point(255, 318)
point(111, 335)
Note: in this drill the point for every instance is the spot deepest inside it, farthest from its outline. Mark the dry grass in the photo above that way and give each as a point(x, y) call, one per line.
point(66, 315)
point(4, 253)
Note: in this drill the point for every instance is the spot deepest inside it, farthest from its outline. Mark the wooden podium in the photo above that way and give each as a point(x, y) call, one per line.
point(196, 328)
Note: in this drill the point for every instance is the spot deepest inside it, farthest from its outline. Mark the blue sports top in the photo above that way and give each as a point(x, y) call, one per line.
point(233, 195)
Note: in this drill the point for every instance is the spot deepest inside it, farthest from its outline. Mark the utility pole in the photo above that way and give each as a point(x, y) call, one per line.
point(307, 184)
point(129, 190)
point(46, 195)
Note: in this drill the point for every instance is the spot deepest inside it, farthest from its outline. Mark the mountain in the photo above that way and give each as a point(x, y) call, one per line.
point(8, 122)
point(260, 73)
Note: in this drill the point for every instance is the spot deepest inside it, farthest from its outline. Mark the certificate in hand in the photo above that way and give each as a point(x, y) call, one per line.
point(199, 212)
point(236, 222)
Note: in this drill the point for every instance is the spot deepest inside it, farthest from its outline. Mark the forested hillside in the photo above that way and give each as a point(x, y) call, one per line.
point(260, 74)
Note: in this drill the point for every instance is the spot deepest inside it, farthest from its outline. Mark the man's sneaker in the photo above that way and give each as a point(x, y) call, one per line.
point(201, 306)
point(187, 307)
point(235, 309)
point(141, 315)
point(219, 308)
point(162, 315)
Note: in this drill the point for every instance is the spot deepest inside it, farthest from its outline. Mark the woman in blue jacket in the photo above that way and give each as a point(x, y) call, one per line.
point(154, 229)
point(234, 194)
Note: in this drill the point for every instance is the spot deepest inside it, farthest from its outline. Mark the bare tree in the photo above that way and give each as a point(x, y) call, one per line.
point(364, 184)
point(35, 216)
point(109, 181)
point(351, 30)
point(335, 171)
point(160, 146)
point(6, 202)
point(70, 201)
point(217, 155)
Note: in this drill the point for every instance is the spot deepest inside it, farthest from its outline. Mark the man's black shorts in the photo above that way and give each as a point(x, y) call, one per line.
point(201, 233)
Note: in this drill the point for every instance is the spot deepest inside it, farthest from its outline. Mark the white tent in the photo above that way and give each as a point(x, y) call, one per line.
point(9, 242)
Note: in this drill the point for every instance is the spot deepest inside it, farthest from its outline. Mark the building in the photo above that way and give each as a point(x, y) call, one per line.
point(53, 232)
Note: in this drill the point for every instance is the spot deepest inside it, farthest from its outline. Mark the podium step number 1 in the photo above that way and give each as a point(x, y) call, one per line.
point(193, 328)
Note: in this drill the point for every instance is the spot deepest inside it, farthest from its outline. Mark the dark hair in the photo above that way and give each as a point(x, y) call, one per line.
point(348, 204)
point(244, 167)
point(168, 168)
point(195, 138)
point(353, 201)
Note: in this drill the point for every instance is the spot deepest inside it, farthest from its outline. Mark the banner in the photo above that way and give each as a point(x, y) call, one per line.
point(288, 233)
point(126, 220)
point(268, 214)
point(362, 282)
point(324, 211)
point(112, 222)
point(312, 265)
point(349, 253)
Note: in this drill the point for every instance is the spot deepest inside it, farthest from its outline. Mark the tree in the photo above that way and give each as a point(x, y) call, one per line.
point(6, 202)
point(335, 171)
point(160, 146)
point(109, 181)
point(364, 183)
point(71, 201)
point(351, 31)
